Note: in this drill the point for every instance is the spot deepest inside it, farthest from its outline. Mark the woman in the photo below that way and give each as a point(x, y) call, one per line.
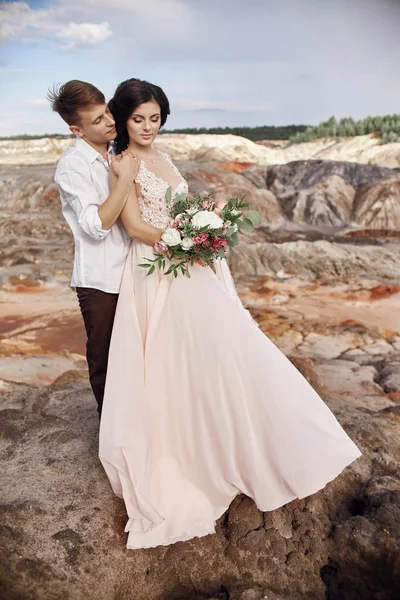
point(199, 404)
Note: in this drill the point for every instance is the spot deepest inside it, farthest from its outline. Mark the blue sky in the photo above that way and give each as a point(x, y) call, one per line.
point(221, 62)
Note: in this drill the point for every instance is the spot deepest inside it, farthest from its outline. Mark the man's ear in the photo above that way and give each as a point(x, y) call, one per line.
point(75, 130)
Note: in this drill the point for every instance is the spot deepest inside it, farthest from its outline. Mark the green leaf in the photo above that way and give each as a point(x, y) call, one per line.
point(170, 269)
point(151, 270)
point(254, 217)
point(175, 273)
point(230, 230)
point(221, 253)
point(247, 225)
point(145, 266)
point(234, 238)
point(168, 195)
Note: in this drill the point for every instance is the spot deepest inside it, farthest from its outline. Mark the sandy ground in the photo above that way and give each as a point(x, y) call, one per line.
point(373, 305)
point(42, 334)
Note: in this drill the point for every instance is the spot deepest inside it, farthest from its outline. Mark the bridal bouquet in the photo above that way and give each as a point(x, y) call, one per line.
point(200, 231)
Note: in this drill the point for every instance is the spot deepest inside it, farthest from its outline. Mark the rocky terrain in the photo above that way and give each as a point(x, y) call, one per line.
point(365, 149)
point(321, 277)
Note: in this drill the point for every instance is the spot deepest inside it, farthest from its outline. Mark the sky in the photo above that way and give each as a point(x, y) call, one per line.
point(220, 62)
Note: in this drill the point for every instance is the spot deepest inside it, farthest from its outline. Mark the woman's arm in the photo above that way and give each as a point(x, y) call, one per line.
point(132, 221)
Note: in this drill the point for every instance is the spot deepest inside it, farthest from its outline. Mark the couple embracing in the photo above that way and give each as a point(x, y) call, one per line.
point(197, 405)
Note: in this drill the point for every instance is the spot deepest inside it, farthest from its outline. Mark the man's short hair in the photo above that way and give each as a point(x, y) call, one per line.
point(67, 99)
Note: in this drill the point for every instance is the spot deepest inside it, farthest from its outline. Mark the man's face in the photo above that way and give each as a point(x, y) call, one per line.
point(97, 125)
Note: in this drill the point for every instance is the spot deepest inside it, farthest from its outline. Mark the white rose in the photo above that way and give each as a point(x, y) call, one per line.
point(228, 224)
point(206, 218)
point(235, 227)
point(171, 237)
point(186, 243)
point(191, 211)
point(180, 216)
point(236, 212)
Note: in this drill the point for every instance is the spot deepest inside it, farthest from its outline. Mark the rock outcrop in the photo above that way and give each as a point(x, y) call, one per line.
point(334, 194)
point(364, 149)
point(319, 259)
point(377, 206)
point(330, 301)
point(62, 528)
point(300, 204)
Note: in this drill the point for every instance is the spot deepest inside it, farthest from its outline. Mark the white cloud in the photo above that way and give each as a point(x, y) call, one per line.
point(84, 33)
point(76, 21)
point(221, 62)
point(163, 17)
point(11, 18)
point(18, 20)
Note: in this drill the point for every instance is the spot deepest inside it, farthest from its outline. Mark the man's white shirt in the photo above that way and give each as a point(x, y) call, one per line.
point(82, 180)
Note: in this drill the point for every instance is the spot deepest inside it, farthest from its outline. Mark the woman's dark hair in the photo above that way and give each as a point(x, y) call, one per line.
point(128, 96)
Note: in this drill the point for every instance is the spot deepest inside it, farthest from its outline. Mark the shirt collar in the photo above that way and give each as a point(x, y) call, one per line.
point(91, 154)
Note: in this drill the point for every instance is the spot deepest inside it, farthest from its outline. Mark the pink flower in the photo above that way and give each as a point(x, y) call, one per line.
point(159, 247)
point(221, 204)
point(200, 238)
point(217, 244)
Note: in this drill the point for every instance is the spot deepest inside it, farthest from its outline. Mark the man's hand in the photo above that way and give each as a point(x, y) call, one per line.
point(125, 166)
point(123, 171)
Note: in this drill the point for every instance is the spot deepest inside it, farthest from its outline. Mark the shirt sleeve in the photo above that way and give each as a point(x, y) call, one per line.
point(74, 181)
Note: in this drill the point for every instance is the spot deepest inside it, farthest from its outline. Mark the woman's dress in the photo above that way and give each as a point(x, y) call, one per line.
point(199, 404)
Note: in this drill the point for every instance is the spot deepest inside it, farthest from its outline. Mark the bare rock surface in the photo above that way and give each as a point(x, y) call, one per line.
point(62, 526)
point(319, 259)
point(378, 205)
point(330, 193)
point(330, 302)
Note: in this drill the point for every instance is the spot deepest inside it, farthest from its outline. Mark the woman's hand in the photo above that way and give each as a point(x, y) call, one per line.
point(125, 165)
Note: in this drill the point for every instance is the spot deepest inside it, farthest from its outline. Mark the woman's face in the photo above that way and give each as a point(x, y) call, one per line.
point(144, 123)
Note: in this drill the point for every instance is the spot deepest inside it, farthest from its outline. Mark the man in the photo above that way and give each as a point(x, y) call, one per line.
point(101, 243)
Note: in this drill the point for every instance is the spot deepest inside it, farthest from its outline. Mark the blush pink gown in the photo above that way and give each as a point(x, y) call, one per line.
point(199, 404)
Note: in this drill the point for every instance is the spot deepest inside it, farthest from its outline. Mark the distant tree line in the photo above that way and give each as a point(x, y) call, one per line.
point(265, 132)
point(387, 127)
point(26, 136)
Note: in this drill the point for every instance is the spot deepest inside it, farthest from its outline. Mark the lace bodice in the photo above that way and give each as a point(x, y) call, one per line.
point(152, 202)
